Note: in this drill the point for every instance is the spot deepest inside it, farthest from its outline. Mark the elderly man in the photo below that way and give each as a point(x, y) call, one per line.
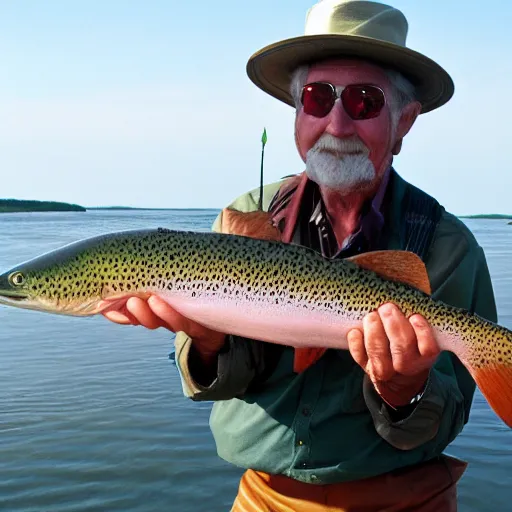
point(364, 429)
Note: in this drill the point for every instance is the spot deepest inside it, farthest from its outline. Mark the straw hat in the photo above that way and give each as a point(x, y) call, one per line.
point(354, 29)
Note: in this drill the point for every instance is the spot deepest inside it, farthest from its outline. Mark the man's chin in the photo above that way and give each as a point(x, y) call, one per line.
point(345, 175)
point(347, 189)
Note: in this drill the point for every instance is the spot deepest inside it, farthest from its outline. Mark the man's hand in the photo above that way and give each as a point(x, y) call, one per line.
point(397, 353)
point(155, 313)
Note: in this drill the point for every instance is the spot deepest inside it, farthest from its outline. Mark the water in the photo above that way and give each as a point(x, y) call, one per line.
point(92, 415)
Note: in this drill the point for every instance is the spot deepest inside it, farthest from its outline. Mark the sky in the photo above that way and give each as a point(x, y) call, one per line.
point(147, 103)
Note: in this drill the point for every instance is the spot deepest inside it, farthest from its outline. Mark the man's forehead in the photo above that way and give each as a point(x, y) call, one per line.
point(349, 67)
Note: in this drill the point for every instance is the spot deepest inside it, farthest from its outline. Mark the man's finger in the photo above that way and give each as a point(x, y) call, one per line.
point(402, 338)
point(427, 344)
point(356, 347)
point(377, 347)
point(169, 316)
point(120, 317)
point(118, 313)
point(142, 313)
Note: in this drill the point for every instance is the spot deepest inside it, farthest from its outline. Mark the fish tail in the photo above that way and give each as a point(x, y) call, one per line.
point(487, 354)
point(495, 383)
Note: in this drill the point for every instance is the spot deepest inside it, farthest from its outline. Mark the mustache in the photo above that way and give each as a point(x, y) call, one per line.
point(330, 144)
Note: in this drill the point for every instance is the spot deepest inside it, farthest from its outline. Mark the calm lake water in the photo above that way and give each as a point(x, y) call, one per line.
point(92, 415)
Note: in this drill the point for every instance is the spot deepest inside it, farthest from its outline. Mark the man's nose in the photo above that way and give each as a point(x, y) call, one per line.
point(340, 125)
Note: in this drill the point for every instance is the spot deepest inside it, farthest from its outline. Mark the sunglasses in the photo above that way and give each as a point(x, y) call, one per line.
point(360, 101)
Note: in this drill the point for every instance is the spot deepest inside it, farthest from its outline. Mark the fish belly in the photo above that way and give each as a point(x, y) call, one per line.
point(291, 324)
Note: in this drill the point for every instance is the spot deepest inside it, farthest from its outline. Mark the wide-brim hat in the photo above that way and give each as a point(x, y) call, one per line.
point(351, 29)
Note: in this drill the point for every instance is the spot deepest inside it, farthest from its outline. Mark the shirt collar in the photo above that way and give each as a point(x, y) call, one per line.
point(371, 222)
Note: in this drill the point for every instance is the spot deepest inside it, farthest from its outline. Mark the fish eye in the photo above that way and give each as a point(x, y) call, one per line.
point(17, 279)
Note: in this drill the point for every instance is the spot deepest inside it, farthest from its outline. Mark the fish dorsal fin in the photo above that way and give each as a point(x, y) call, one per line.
point(404, 266)
point(257, 224)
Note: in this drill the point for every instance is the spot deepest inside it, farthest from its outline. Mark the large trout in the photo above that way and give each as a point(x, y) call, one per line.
point(260, 289)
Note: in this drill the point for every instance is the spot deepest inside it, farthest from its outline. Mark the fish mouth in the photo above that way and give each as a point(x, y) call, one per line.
point(12, 296)
point(16, 301)
point(21, 301)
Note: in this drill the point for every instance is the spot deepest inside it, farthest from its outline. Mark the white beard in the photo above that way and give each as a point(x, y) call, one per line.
point(340, 164)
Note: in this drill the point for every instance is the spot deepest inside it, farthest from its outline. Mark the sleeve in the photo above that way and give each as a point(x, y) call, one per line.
point(443, 409)
point(239, 363)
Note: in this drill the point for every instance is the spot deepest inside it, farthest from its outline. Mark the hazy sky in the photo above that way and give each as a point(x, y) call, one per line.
point(147, 103)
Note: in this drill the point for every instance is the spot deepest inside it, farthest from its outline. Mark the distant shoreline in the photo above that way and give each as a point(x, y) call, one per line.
point(486, 216)
point(22, 206)
point(26, 206)
point(149, 209)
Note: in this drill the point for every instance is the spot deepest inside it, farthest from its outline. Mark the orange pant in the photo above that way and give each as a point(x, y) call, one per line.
point(428, 487)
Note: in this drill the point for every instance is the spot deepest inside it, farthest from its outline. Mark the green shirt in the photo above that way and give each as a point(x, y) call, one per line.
point(328, 424)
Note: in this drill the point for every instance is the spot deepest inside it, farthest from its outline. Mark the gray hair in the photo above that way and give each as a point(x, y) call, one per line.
point(403, 90)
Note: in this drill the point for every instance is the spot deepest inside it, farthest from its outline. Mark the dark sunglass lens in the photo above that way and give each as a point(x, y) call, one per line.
point(318, 99)
point(362, 101)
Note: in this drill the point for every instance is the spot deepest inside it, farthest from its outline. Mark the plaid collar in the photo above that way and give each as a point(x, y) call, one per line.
point(299, 211)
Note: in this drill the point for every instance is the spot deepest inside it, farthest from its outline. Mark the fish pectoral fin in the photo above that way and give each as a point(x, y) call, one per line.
point(306, 357)
point(256, 224)
point(404, 266)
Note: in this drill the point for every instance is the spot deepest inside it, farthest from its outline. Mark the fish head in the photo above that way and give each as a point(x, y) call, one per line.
point(49, 283)
point(78, 279)
point(13, 288)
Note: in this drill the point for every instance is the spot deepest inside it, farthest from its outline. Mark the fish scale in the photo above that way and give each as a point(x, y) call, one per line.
point(260, 289)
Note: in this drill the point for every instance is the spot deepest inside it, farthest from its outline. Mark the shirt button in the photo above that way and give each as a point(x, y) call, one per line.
point(300, 443)
point(306, 412)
